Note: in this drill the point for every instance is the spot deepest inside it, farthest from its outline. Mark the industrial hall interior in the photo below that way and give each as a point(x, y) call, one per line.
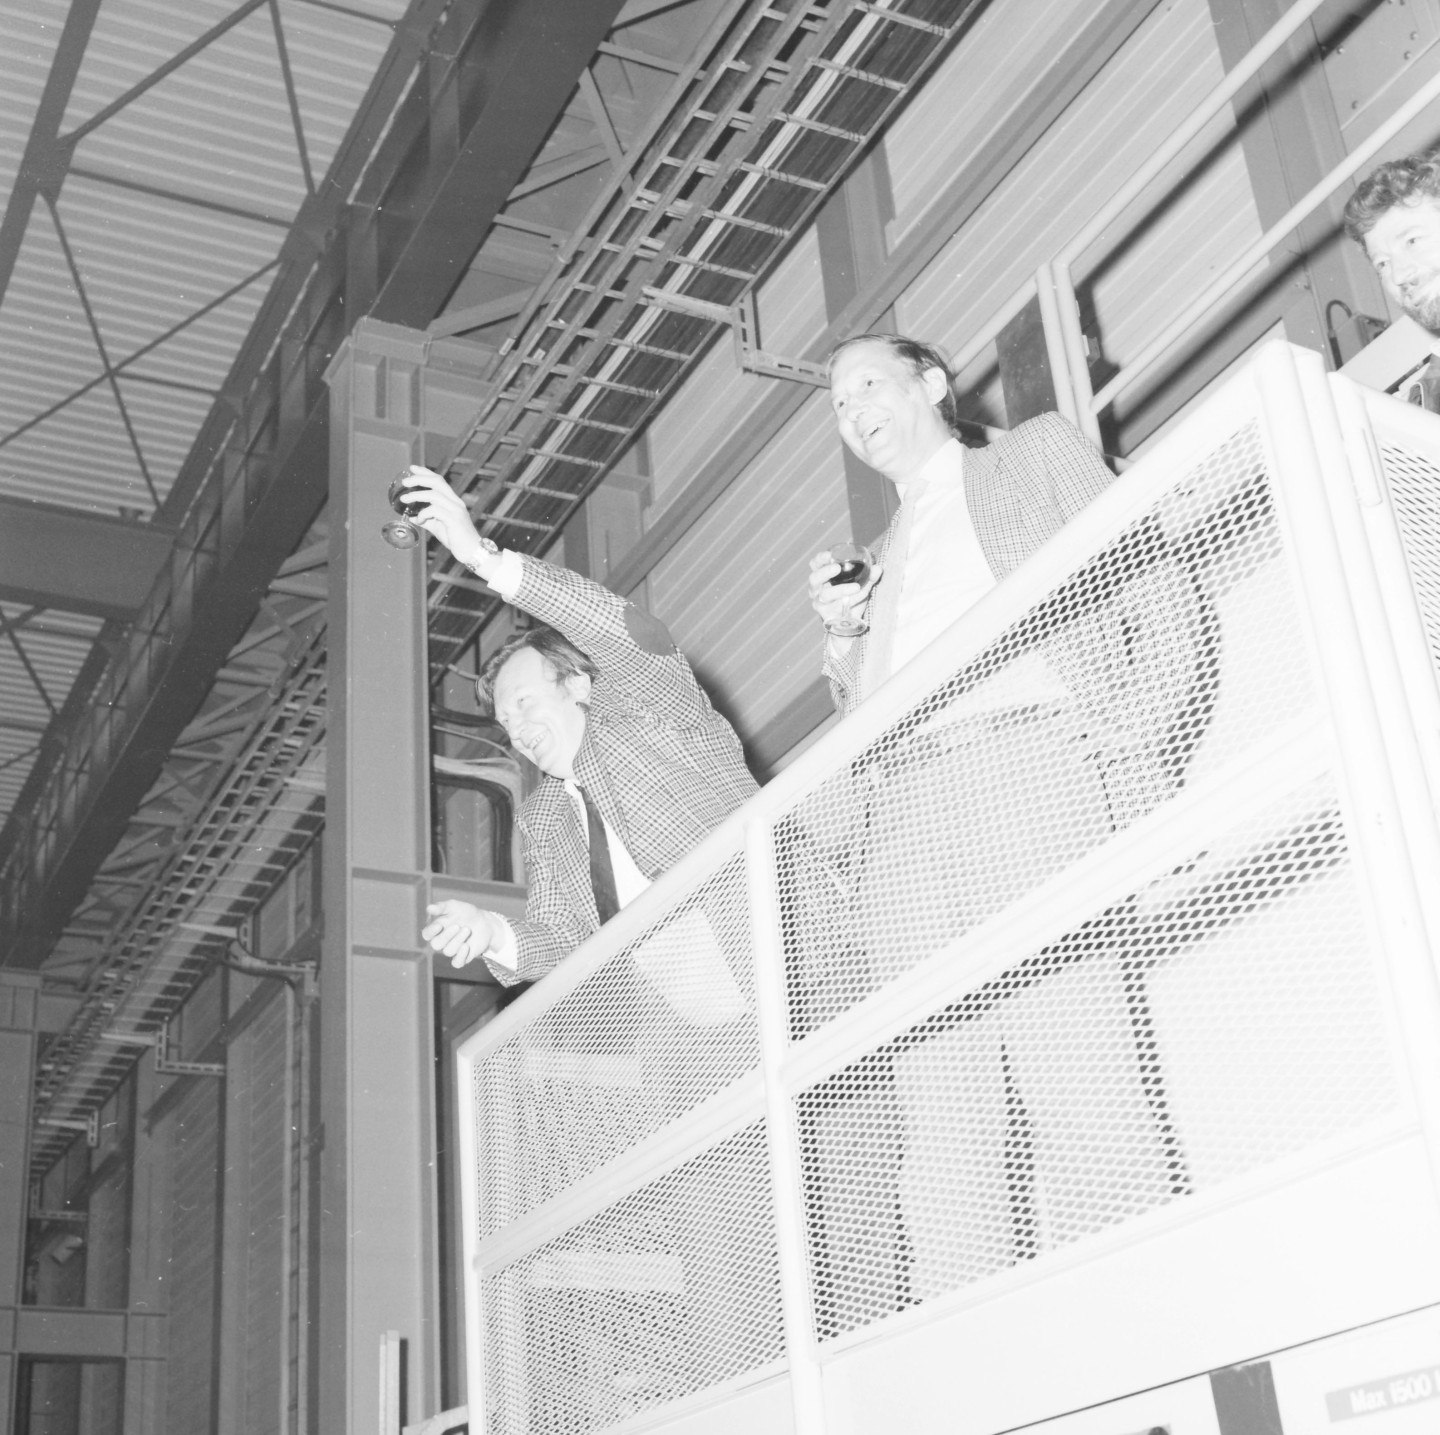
point(719, 715)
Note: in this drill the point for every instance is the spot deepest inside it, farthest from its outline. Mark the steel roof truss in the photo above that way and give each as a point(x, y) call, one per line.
point(73, 137)
point(95, 334)
point(292, 98)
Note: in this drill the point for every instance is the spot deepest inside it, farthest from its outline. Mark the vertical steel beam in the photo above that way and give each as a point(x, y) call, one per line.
point(19, 1020)
point(378, 1266)
point(1291, 138)
point(232, 1416)
point(145, 1379)
point(850, 232)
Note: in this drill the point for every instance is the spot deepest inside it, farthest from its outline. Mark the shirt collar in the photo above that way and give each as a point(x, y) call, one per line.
point(945, 468)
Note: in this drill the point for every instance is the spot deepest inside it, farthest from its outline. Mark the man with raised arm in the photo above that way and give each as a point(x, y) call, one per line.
point(637, 765)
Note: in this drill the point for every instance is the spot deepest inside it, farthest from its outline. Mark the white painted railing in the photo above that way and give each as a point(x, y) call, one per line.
point(1083, 976)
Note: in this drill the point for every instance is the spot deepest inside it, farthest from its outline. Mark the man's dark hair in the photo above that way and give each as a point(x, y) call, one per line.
point(919, 356)
point(1402, 181)
point(562, 658)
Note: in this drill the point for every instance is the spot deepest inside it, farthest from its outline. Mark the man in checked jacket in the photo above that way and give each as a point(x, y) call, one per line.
point(635, 758)
point(1076, 721)
point(1124, 654)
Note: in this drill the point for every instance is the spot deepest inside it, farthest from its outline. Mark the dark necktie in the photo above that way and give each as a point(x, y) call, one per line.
point(602, 874)
point(1425, 387)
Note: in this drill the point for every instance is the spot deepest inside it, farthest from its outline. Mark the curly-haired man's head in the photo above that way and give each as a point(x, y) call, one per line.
point(1394, 215)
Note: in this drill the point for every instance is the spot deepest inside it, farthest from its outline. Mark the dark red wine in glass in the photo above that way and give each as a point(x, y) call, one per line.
point(855, 562)
point(401, 532)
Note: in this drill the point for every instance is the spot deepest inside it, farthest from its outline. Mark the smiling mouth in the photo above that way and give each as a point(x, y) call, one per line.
point(530, 741)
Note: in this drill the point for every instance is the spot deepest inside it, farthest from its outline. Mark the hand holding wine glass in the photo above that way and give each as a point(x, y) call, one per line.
point(401, 531)
point(840, 584)
point(424, 500)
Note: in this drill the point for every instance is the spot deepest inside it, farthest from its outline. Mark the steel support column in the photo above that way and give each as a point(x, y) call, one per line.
point(245, 495)
point(378, 1259)
point(145, 1378)
point(853, 251)
point(19, 1021)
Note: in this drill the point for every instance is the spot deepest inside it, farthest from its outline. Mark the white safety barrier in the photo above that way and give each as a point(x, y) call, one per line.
point(1065, 1022)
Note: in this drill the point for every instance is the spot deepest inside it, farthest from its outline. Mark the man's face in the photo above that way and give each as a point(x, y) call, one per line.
point(885, 411)
point(1404, 247)
point(543, 716)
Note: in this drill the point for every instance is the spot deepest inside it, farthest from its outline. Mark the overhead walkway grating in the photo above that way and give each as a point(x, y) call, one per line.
point(767, 123)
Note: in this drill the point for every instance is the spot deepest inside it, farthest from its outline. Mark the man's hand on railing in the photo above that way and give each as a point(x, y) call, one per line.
point(461, 931)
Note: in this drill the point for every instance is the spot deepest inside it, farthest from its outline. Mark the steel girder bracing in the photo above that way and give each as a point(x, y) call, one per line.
point(257, 475)
point(265, 811)
point(770, 117)
point(759, 162)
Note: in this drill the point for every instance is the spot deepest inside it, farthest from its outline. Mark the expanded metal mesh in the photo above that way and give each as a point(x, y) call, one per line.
point(649, 1036)
point(1414, 483)
point(1211, 1022)
point(1154, 664)
point(666, 1293)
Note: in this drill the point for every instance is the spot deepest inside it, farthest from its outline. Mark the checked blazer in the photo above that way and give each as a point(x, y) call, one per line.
point(1021, 491)
point(1132, 634)
point(662, 765)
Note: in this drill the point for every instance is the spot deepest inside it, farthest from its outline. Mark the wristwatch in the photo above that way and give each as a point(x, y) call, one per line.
point(490, 546)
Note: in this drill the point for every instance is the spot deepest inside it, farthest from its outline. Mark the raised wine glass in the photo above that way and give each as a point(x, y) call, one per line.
point(401, 532)
point(855, 562)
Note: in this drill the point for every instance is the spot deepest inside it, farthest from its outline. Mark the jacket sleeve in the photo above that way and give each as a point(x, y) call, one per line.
point(844, 672)
point(1074, 470)
point(552, 926)
point(634, 650)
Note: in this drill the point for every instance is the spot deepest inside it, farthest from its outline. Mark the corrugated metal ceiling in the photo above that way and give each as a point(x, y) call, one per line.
point(188, 146)
point(194, 134)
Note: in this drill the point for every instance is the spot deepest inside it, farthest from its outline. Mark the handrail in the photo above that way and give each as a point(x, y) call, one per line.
point(597, 1116)
point(968, 636)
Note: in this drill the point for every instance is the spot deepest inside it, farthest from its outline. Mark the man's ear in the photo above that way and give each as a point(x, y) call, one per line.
point(936, 384)
point(578, 686)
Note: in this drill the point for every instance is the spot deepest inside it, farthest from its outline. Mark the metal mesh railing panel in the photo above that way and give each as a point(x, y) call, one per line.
point(1174, 649)
point(668, 1292)
point(1414, 482)
point(1216, 1020)
point(649, 1036)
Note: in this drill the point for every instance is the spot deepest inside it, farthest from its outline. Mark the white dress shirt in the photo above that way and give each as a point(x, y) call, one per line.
point(945, 568)
point(945, 573)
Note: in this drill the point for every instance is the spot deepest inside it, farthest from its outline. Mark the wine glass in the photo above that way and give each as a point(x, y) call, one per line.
point(855, 562)
point(401, 532)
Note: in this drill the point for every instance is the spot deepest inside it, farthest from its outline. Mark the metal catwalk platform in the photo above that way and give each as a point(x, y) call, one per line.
point(1077, 995)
